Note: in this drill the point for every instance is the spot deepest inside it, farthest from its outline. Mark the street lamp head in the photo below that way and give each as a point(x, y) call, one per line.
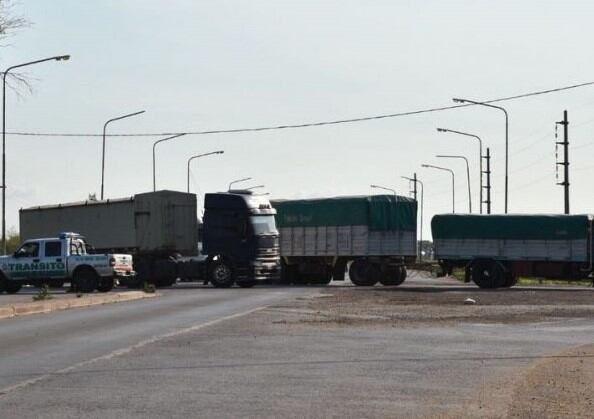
point(219, 152)
point(63, 58)
point(373, 186)
point(458, 100)
point(442, 130)
point(424, 165)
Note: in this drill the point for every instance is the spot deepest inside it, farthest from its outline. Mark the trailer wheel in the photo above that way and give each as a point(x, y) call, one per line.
point(361, 274)
point(488, 274)
point(105, 284)
point(510, 280)
point(394, 276)
point(11, 287)
point(85, 280)
point(339, 269)
point(221, 274)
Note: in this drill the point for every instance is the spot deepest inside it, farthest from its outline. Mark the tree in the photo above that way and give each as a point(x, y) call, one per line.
point(13, 240)
point(9, 24)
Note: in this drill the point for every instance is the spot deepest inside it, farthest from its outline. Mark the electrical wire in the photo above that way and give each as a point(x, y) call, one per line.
point(308, 124)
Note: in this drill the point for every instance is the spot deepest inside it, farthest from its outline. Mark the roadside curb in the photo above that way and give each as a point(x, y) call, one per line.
point(24, 309)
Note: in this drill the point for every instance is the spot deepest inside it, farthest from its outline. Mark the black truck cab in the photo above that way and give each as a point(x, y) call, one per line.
point(240, 238)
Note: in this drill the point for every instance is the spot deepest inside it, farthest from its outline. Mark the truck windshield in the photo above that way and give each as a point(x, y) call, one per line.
point(263, 224)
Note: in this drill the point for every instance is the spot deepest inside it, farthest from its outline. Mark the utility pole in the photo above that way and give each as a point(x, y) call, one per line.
point(415, 180)
point(415, 186)
point(565, 163)
point(487, 172)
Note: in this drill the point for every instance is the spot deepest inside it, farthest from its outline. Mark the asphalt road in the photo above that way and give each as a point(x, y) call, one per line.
point(219, 353)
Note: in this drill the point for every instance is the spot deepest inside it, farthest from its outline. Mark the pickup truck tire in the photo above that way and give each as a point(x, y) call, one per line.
point(361, 274)
point(105, 284)
point(85, 279)
point(221, 274)
point(11, 287)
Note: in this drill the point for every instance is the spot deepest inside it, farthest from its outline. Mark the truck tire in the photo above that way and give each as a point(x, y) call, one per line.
point(339, 269)
point(85, 280)
point(394, 276)
point(105, 284)
point(510, 280)
point(11, 287)
point(361, 274)
point(488, 274)
point(221, 274)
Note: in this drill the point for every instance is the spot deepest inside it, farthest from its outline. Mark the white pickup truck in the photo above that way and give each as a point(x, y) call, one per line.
point(63, 259)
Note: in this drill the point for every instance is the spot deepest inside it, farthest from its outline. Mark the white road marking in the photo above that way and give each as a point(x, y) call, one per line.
point(123, 351)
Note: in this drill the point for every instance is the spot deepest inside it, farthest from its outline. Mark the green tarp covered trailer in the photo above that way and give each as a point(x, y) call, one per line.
point(347, 226)
point(562, 238)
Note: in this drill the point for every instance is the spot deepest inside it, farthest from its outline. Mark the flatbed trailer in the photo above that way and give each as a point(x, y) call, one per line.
point(495, 250)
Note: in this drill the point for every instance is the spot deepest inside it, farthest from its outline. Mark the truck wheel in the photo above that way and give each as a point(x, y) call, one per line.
point(221, 274)
point(361, 275)
point(339, 270)
point(488, 274)
point(105, 284)
point(394, 276)
point(510, 280)
point(85, 280)
point(11, 287)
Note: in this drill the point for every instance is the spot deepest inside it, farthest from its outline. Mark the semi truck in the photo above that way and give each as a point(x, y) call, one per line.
point(376, 235)
point(53, 261)
point(495, 250)
point(160, 230)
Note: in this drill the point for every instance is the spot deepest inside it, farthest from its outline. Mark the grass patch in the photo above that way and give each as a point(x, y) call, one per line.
point(43, 294)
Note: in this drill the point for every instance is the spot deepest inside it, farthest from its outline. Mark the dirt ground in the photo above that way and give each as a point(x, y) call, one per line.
point(415, 306)
point(559, 385)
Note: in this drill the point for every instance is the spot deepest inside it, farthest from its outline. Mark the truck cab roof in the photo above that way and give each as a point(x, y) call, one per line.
point(238, 200)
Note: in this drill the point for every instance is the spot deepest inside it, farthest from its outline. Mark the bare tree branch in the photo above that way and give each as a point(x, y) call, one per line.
point(9, 24)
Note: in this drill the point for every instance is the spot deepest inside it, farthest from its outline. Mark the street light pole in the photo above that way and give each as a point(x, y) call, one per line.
point(154, 158)
point(237, 181)
point(453, 182)
point(480, 161)
point(416, 180)
point(198, 156)
point(56, 58)
point(467, 177)
point(457, 100)
point(103, 152)
point(384, 188)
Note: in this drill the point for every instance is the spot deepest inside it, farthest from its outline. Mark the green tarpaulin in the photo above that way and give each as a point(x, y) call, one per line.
point(378, 212)
point(510, 227)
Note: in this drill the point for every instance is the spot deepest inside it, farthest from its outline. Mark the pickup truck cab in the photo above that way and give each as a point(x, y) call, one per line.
point(54, 261)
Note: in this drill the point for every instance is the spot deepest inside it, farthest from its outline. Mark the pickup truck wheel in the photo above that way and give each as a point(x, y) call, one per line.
point(105, 284)
point(11, 287)
point(221, 274)
point(85, 280)
point(361, 274)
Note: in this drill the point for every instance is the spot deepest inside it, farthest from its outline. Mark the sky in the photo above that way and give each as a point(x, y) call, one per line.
point(197, 65)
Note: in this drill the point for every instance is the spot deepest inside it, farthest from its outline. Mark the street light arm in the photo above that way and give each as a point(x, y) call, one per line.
point(56, 58)
point(195, 157)
point(237, 181)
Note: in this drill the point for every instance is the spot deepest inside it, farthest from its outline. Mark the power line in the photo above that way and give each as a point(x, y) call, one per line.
point(308, 124)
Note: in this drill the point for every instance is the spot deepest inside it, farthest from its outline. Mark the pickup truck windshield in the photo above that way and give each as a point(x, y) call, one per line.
point(263, 224)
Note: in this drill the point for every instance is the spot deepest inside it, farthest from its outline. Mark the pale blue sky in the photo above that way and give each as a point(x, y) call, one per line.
point(196, 65)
